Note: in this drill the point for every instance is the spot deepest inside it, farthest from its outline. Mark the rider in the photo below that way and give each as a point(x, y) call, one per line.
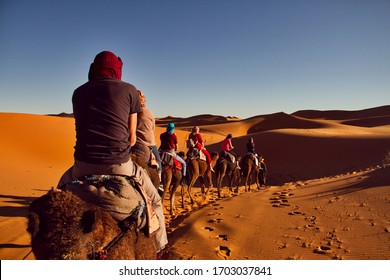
point(227, 148)
point(105, 110)
point(250, 146)
point(169, 145)
point(198, 141)
point(146, 124)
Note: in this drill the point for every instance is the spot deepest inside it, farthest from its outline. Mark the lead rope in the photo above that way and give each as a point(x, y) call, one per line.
point(130, 223)
point(25, 257)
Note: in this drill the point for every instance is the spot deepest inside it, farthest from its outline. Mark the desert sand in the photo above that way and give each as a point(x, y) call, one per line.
point(327, 195)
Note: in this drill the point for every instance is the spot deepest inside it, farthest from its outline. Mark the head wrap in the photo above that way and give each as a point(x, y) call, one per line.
point(106, 65)
point(171, 127)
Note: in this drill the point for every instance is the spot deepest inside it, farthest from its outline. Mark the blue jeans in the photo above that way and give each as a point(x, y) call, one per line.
point(183, 163)
point(157, 156)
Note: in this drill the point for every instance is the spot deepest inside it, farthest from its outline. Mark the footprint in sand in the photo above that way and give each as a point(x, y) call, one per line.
point(216, 206)
point(293, 213)
point(214, 214)
point(310, 226)
point(214, 221)
point(284, 204)
point(209, 228)
point(322, 250)
point(223, 237)
point(311, 218)
point(224, 252)
point(277, 205)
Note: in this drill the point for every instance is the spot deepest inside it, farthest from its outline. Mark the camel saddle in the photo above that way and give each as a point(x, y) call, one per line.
point(228, 156)
point(253, 157)
point(119, 195)
point(195, 153)
point(169, 161)
point(145, 152)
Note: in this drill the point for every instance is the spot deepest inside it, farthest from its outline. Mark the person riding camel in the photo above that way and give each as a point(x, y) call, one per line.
point(227, 148)
point(198, 143)
point(250, 147)
point(146, 125)
point(105, 110)
point(169, 145)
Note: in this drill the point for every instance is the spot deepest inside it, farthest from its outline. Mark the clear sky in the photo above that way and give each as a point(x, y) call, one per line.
point(225, 57)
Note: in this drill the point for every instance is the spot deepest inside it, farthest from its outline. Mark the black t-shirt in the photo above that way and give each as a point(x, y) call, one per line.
point(101, 109)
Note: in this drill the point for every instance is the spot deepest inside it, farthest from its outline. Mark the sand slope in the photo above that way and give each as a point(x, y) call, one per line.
point(324, 185)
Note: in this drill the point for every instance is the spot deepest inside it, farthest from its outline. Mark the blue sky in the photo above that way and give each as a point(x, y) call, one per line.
point(232, 58)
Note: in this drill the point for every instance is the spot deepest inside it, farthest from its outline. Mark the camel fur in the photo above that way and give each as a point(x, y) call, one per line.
point(227, 168)
point(199, 169)
point(62, 226)
point(249, 172)
point(171, 178)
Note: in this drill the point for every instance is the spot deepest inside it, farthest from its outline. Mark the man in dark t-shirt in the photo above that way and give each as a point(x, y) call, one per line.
point(105, 110)
point(102, 118)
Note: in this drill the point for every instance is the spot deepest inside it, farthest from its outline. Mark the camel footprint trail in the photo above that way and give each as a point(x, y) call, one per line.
point(322, 241)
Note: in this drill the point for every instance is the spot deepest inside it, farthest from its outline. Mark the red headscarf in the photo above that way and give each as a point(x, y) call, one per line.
point(106, 64)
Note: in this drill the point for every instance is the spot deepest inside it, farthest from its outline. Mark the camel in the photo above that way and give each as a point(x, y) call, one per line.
point(199, 169)
point(63, 226)
point(171, 179)
point(226, 167)
point(249, 171)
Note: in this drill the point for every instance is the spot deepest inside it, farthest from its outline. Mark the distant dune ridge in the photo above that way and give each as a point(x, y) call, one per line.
point(328, 189)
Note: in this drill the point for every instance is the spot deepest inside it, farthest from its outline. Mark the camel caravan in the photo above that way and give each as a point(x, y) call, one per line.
point(90, 218)
point(109, 203)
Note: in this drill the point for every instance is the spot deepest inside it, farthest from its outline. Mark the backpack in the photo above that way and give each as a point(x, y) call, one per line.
point(190, 143)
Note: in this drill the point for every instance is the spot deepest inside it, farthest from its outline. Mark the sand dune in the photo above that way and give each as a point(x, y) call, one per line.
point(327, 197)
point(344, 115)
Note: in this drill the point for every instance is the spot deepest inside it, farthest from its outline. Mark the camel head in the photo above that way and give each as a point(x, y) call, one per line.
point(59, 224)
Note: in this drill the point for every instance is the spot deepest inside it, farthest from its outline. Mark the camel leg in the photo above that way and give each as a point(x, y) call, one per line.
point(220, 179)
point(237, 178)
point(202, 184)
point(219, 184)
point(247, 187)
point(210, 181)
point(166, 178)
point(172, 200)
point(193, 180)
point(182, 196)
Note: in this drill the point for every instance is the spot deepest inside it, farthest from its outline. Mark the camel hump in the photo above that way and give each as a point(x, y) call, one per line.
point(115, 194)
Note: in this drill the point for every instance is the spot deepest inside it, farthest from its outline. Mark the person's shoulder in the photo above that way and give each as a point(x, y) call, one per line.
point(147, 111)
point(128, 85)
point(123, 84)
point(82, 86)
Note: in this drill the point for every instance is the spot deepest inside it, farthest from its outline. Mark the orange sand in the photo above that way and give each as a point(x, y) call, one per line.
point(328, 194)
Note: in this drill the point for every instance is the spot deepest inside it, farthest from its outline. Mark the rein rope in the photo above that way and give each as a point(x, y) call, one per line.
point(128, 224)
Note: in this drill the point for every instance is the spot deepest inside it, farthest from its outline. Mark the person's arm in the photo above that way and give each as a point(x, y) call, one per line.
point(132, 129)
point(200, 140)
point(231, 145)
point(175, 141)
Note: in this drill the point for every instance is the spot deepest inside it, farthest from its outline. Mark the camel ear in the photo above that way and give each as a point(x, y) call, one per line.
point(33, 224)
point(89, 220)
